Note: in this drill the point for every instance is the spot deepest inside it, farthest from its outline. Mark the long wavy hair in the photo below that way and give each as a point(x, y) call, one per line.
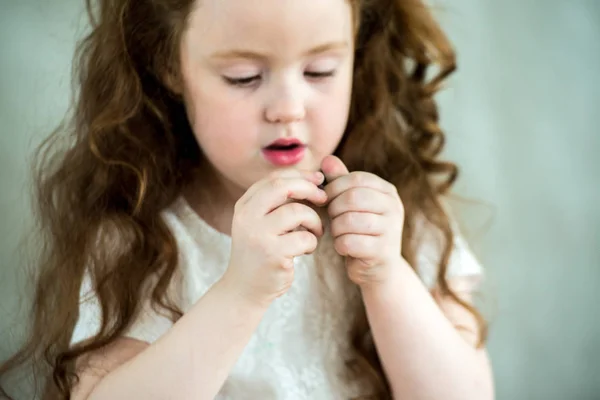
point(128, 151)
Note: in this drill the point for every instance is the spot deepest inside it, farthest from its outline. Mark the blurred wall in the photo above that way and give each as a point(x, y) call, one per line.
point(521, 120)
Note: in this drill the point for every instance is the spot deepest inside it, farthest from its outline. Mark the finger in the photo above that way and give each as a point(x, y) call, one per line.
point(357, 246)
point(278, 191)
point(359, 223)
point(359, 200)
point(291, 216)
point(333, 168)
point(315, 177)
point(359, 180)
point(297, 243)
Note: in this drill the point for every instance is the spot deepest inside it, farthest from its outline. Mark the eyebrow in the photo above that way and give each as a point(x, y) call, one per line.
point(229, 54)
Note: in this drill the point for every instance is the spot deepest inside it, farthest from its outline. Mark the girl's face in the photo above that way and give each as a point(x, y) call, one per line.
point(267, 83)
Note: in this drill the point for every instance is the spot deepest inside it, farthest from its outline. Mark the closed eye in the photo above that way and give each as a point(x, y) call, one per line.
point(319, 74)
point(250, 80)
point(245, 81)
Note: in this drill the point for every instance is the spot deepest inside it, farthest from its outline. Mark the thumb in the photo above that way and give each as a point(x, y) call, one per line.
point(332, 167)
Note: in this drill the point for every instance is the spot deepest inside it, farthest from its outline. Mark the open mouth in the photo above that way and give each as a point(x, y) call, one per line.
point(285, 144)
point(284, 147)
point(284, 152)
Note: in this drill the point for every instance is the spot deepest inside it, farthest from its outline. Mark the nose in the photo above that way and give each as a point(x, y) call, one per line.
point(286, 104)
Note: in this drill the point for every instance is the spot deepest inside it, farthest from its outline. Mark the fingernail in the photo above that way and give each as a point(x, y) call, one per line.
point(323, 195)
point(322, 179)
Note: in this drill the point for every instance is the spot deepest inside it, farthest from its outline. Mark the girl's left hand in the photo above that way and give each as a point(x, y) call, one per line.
point(367, 217)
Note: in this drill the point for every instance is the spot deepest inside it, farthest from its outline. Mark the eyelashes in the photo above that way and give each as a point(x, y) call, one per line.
point(245, 81)
point(253, 80)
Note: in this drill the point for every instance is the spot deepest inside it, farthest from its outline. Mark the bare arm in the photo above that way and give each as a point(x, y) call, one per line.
point(191, 361)
point(423, 354)
point(96, 365)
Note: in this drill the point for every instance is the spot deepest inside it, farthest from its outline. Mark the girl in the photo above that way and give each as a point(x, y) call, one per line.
point(249, 207)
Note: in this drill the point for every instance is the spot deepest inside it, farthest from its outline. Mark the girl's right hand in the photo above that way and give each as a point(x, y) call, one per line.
point(265, 234)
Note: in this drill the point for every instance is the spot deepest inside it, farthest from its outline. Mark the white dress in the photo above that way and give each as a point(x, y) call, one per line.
point(298, 349)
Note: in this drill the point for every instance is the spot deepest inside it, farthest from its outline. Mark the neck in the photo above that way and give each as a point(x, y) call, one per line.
point(213, 197)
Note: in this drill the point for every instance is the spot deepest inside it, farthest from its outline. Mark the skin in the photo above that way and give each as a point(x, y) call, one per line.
point(259, 75)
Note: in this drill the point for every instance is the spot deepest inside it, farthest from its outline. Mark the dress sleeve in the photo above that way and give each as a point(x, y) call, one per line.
point(462, 262)
point(148, 325)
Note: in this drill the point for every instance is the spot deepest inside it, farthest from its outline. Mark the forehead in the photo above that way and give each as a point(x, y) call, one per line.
point(281, 26)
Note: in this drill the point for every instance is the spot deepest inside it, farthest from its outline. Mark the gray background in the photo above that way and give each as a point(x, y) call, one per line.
point(521, 119)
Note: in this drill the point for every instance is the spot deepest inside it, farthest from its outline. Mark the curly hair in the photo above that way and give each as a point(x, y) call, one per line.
point(128, 150)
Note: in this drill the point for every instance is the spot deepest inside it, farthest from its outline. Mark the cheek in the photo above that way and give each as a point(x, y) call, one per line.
point(219, 124)
point(331, 117)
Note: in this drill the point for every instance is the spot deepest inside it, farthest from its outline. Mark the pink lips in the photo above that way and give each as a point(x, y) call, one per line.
point(284, 152)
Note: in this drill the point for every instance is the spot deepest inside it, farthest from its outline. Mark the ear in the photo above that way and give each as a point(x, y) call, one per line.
point(173, 82)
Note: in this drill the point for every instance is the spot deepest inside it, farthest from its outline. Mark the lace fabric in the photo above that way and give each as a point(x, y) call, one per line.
point(300, 347)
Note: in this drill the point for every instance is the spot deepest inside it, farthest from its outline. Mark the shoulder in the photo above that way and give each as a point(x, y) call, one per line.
point(429, 243)
point(202, 251)
point(151, 320)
